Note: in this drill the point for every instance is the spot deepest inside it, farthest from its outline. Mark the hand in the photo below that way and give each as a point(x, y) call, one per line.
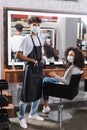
point(36, 63)
point(43, 61)
point(52, 74)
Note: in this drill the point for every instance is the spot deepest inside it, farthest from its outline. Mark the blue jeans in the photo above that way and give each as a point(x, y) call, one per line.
point(33, 110)
point(51, 80)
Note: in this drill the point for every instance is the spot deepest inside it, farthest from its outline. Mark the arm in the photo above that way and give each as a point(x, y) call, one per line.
point(67, 76)
point(24, 58)
point(62, 79)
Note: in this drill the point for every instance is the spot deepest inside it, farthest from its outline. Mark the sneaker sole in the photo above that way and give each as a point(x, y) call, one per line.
point(35, 119)
point(45, 111)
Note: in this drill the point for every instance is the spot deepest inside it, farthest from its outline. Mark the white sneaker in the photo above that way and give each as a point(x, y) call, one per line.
point(23, 123)
point(46, 109)
point(36, 117)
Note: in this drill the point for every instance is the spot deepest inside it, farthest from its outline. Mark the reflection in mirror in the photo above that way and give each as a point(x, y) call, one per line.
point(47, 31)
point(57, 29)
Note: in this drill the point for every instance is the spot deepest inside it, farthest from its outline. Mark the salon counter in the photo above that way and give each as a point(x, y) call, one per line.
point(17, 75)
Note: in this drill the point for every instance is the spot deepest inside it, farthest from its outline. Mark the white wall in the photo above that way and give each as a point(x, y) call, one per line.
point(67, 34)
point(71, 31)
point(61, 35)
point(56, 5)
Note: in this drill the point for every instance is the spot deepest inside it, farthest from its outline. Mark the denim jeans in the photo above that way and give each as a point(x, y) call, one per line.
point(51, 80)
point(33, 109)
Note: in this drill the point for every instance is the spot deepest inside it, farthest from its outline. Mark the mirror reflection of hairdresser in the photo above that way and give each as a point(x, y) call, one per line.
point(31, 51)
point(16, 41)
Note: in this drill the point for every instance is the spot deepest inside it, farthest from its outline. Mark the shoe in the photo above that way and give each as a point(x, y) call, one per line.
point(23, 123)
point(36, 117)
point(46, 109)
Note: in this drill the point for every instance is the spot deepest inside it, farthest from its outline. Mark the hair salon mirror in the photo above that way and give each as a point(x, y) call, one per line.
point(52, 29)
point(14, 16)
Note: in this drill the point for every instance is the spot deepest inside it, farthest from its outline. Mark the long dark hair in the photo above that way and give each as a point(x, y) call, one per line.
point(79, 58)
point(49, 51)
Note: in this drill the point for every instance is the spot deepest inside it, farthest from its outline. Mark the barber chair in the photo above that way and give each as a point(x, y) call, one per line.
point(62, 91)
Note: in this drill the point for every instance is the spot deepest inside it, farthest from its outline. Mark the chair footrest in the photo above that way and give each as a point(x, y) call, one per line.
point(54, 115)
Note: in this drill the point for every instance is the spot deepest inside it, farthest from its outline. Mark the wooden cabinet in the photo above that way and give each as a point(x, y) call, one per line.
point(13, 75)
point(84, 52)
point(59, 71)
point(17, 75)
point(85, 73)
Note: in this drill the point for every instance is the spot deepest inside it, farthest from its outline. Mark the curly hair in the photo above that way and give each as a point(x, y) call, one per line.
point(79, 58)
point(34, 19)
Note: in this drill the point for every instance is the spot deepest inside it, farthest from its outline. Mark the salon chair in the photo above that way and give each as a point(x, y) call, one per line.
point(62, 91)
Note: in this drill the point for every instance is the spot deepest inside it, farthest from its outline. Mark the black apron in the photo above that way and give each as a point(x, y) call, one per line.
point(32, 83)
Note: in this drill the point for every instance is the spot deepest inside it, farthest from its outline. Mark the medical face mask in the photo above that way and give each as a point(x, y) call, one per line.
point(70, 59)
point(35, 29)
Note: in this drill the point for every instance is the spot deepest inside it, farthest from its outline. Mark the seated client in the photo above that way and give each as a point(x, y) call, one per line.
point(75, 63)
